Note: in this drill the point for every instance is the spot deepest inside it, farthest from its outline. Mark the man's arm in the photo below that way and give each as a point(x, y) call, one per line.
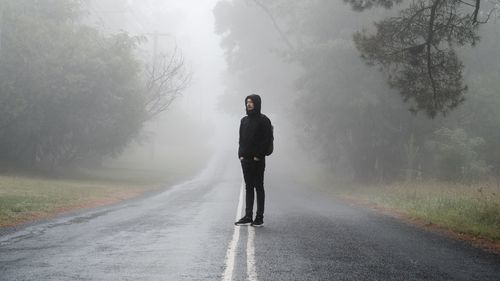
point(239, 142)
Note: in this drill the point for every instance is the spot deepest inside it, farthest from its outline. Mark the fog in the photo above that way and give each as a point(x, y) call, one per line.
point(158, 83)
point(202, 122)
point(191, 128)
point(386, 123)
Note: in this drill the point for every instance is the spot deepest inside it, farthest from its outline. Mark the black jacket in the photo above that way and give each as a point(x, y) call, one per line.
point(255, 132)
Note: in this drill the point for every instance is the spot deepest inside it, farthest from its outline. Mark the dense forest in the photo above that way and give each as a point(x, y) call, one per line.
point(376, 90)
point(69, 91)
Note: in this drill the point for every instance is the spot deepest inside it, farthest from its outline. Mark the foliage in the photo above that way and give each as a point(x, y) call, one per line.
point(480, 115)
point(456, 155)
point(344, 115)
point(67, 91)
point(71, 91)
point(416, 49)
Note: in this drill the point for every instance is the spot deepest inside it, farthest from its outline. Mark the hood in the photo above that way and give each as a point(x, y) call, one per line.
point(257, 104)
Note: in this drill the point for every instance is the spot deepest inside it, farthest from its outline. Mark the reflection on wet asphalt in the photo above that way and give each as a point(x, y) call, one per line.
point(184, 234)
point(180, 234)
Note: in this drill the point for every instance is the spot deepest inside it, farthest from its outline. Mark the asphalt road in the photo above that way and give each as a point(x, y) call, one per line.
point(187, 233)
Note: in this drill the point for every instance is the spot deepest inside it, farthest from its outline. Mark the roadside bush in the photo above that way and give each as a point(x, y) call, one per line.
point(455, 155)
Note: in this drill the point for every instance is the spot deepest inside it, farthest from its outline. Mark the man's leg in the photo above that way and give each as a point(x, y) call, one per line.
point(260, 167)
point(249, 177)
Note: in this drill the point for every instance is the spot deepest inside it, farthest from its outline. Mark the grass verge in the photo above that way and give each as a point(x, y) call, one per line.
point(24, 198)
point(472, 210)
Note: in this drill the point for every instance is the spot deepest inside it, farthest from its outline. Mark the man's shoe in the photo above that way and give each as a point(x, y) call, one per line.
point(258, 222)
point(244, 221)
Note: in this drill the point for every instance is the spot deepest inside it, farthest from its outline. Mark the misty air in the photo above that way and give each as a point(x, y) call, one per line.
point(249, 140)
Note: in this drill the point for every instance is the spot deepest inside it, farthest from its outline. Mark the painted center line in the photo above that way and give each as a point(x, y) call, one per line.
point(251, 272)
point(231, 251)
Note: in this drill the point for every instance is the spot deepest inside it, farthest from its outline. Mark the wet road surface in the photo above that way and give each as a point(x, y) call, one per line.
point(187, 233)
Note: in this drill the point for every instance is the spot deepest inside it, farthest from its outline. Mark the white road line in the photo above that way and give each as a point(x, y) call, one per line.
point(231, 251)
point(251, 272)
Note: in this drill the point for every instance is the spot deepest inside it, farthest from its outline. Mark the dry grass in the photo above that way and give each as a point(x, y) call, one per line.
point(24, 198)
point(468, 209)
point(29, 197)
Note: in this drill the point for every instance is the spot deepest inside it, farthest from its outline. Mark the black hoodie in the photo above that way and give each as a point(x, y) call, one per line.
point(255, 131)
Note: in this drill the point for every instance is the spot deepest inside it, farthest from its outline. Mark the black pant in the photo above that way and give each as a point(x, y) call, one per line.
point(253, 173)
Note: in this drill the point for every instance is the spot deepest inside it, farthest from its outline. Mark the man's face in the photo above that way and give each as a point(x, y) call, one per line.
point(250, 105)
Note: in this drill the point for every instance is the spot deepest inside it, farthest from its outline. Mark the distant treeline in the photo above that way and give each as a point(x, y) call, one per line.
point(432, 112)
point(68, 91)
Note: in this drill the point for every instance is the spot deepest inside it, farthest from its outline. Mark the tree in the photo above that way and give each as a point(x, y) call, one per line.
point(256, 58)
point(345, 115)
point(417, 50)
point(456, 155)
point(166, 79)
point(69, 92)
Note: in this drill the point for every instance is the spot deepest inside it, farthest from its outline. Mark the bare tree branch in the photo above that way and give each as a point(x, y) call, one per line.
point(465, 3)
point(476, 11)
point(275, 24)
point(165, 81)
point(487, 18)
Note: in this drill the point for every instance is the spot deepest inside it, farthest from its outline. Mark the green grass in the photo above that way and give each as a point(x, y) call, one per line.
point(467, 209)
point(30, 196)
point(24, 198)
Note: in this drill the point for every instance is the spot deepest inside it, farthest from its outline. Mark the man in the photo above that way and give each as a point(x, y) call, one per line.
point(256, 136)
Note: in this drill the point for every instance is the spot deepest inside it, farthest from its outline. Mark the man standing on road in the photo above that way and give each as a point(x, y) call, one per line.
point(256, 141)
